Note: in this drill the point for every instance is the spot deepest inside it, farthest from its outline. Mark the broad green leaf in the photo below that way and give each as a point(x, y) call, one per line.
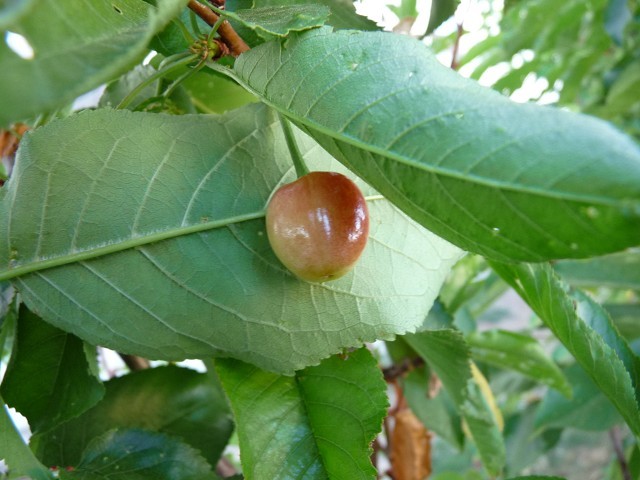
point(175, 401)
point(618, 270)
point(343, 12)
point(85, 43)
point(509, 181)
point(16, 454)
point(281, 19)
point(446, 352)
point(48, 380)
point(588, 409)
point(585, 330)
point(437, 414)
point(145, 233)
point(12, 10)
point(316, 425)
point(139, 455)
point(520, 353)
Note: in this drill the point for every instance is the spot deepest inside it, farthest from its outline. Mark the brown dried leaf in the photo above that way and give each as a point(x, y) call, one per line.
point(410, 447)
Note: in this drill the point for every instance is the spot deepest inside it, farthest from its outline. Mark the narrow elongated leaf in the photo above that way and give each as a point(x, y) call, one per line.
point(85, 43)
point(618, 270)
point(280, 20)
point(139, 455)
point(16, 454)
point(447, 354)
point(145, 233)
point(506, 180)
point(49, 379)
point(317, 425)
point(520, 353)
point(585, 330)
point(175, 401)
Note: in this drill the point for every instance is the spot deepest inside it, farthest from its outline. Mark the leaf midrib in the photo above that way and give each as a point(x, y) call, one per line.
point(125, 244)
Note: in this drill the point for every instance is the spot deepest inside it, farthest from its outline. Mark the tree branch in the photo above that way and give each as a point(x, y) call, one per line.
point(617, 447)
point(228, 35)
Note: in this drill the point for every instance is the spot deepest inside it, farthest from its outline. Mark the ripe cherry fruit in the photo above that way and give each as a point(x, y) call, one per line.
point(318, 225)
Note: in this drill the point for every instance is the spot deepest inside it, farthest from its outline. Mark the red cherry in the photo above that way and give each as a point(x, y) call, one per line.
point(318, 225)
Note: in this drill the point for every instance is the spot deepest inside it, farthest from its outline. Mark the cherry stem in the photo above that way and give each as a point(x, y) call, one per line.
point(229, 36)
point(296, 156)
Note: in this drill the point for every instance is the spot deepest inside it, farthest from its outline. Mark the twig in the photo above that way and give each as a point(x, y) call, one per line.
point(617, 447)
point(229, 36)
point(395, 371)
point(225, 469)
point(456, 47)
point(134, 362)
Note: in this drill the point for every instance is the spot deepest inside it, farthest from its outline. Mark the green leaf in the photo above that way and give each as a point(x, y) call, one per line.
point(509, 181)
point(536, 477)
point(625, 317)
point(153, 243)
point(618, 270)
point(446, 352)
point(16, 454)
point(585, 330)
point(170, 400)
point(215, 93)
point(343, 12)
point(437, 414)
point(85, 43)
point(588, 409)
point(48, 379)
point(520, 353)
point(441, 10)
point(316, 425)
point(139, 455)
point(281, 19)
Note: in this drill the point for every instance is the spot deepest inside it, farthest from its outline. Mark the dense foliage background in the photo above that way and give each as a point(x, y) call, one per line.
point(491, 328)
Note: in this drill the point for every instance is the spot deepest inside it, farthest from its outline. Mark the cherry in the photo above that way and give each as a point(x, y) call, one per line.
point(318, 225)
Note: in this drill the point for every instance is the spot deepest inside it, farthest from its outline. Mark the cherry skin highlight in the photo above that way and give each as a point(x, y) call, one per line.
point(318, 225)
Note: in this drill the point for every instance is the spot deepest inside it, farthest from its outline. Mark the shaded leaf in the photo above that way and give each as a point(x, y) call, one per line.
point(281, 19)
point(86, 43)
point(441, 10)
point(175, 401)
point(585, 330)
point(588, 409)
point(319, 424)
point(16, 454)
point(447, 354)
point(618, 270)
point(520, 353)
point(177, 265)
point(438, 414)
point(509, 181)
point(49, 379)
point(139, 455)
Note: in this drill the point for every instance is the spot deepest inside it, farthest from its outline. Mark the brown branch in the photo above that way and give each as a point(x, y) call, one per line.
point(229, 36)
point(134, 362)
point(456, 47)
point(617, 447)
point(396, 371)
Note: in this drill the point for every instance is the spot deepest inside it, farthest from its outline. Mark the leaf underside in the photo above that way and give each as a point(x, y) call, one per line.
point(143, 222)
